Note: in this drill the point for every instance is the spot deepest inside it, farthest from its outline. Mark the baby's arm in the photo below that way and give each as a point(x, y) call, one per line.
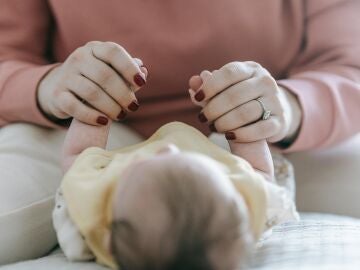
point(81, 136)
point(257, 154)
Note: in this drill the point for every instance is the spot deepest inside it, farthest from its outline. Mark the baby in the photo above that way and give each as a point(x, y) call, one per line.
point(174, 201)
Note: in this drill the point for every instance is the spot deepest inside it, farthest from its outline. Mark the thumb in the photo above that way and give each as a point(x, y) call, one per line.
point(195, 82)
point(257, 154)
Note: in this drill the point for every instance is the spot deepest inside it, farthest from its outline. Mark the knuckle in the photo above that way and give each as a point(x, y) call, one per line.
point(226, 123)
point(210, 110)
point(281, 112)
point(104, 76)
point(243, 117)
point(125, 98)
point(138, 61)
point(77, 56)
point(57, 112)
point(71, 107)
point(86, 115)
point(232, 99)
point(254, 65)
point(113, 49)
point(127, 67)
point(267, 80)
point(92, 94)
point(231, 69)
point(90, 44)
point(57, 93)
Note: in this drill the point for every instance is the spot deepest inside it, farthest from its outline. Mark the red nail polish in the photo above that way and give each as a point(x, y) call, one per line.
point(199, 96)
point(133, 106)
point(202, 117)
point(121, 115)
point(139, 80)
point(102, 120)
point(230, 136)
point(212, 127)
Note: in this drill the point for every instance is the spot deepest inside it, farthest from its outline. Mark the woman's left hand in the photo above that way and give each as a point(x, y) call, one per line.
point(235, 98)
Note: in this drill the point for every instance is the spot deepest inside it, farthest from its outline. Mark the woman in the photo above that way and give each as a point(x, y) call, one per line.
point(310, 48)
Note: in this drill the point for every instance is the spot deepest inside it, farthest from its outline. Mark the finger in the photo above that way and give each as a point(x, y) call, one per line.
point(278, 137)
point(223, 78)
point(205, 75)
point(116, 56)
point(143, 68)
point(72, 106)
point(146, 72)
point(257, 154)
point(239, 117)
point(200, 95)
point(260, 130)
point(138, 61)
point(95, 96)
point(234, 96)
point(110, 81)
point(192, 96)
point(195, 82)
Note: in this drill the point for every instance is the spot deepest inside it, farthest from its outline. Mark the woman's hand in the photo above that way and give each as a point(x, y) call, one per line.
point(96, 82)
point(229, 100)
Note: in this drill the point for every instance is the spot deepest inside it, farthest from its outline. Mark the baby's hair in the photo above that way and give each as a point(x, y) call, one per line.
point(191, 235)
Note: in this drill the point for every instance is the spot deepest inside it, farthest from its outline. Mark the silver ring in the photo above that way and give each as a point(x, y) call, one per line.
point(266, 113)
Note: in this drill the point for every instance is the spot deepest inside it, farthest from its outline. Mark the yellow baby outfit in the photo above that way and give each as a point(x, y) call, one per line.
point(89, 184)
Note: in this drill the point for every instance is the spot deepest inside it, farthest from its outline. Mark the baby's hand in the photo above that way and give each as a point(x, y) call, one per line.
point(230, 101)
point(257, 154)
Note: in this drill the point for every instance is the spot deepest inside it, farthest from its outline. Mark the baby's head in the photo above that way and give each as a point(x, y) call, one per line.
point(179, 210)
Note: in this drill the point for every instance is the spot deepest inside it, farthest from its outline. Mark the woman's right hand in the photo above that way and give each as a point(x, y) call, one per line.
point(96, 82)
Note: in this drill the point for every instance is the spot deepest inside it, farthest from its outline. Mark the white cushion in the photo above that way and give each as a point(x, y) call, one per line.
point(329, 180)
point(321, 242)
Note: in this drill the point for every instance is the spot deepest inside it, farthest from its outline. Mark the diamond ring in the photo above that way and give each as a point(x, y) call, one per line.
point(266, 113)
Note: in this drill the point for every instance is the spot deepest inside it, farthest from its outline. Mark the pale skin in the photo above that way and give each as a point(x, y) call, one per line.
point(228, 100)
point(100, 74)
point(106, 77)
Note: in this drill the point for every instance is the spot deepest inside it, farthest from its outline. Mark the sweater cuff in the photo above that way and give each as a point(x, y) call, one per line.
point(22, 99)
point(317, 113)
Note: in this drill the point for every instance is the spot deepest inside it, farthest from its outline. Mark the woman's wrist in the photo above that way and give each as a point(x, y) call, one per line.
point(295, 119)
point(42, 98)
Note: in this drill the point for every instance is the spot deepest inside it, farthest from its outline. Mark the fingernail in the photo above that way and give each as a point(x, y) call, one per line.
point(212, 127)
point(139, 80)
point(121, 115)
point(133, 106)
point(199, 96)
point(102, 120)
point(202, 117)
point(230, 136)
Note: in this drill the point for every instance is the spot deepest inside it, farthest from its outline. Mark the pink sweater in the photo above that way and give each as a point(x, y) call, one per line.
point(310, 47)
